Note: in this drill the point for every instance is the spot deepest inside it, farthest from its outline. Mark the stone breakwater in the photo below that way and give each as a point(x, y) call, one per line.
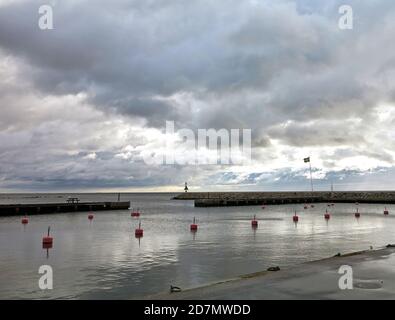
point(223, 199)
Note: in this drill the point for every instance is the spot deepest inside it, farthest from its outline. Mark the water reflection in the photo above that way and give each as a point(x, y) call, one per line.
point(47, 246)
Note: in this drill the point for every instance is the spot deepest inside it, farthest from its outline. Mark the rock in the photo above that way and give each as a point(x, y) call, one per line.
point(273, 269)
point(174, 289)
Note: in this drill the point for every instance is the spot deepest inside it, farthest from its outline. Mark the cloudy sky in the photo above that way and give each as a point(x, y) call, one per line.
point(83, 104)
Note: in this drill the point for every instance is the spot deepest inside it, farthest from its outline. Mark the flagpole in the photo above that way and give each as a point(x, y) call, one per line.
point(311, 177)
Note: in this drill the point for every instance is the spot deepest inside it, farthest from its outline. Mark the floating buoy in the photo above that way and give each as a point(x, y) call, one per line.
point(90, 216)
point(386, 212)
point(25, 220)
point(135, 213)
point(357, 214)
point(295, 218)
point(312, 206)
point(194, 226)
point(263, 207)
point(327, 215)
point(139, 232)
point(254, 222)
point(306, 206)
point(47, 240)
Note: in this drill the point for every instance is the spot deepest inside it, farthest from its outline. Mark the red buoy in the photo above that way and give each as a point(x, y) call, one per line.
point(194, 226)
point(47, 240)
point(357, 214)
point(327, 215)
point(135, 213)
point(90, 216)
point(25, 220)
point(386, 212)
point(254, 222)
point(295, 218)
point(139, 232)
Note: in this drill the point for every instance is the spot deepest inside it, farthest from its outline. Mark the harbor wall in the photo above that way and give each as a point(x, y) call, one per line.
point(49, 208)
point(219, 199)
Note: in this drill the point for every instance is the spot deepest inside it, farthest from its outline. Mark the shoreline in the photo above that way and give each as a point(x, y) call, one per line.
point(373, 278)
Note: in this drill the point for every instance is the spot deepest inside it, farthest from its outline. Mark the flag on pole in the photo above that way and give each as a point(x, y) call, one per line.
point(311, 175)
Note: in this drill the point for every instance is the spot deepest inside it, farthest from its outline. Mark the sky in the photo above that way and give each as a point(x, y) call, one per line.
point(84, 104)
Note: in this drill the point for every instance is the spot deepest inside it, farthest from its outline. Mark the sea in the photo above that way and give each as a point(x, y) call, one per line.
point(102, 258)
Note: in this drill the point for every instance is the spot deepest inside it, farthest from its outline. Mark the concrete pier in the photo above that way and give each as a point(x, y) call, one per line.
point(223, 199)
point(49, 208)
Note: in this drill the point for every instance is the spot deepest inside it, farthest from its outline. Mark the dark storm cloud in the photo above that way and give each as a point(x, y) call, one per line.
point(313, 134)
point(153, 110)
point(129, 52)
point(124, 53)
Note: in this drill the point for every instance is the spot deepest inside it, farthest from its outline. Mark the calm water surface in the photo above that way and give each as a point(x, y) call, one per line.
point(102, 259)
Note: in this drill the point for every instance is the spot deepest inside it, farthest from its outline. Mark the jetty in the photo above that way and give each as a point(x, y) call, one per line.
point(70, 206)
point(224, 199)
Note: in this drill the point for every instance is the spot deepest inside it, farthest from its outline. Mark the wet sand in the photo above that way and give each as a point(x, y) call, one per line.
point(373, 278)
